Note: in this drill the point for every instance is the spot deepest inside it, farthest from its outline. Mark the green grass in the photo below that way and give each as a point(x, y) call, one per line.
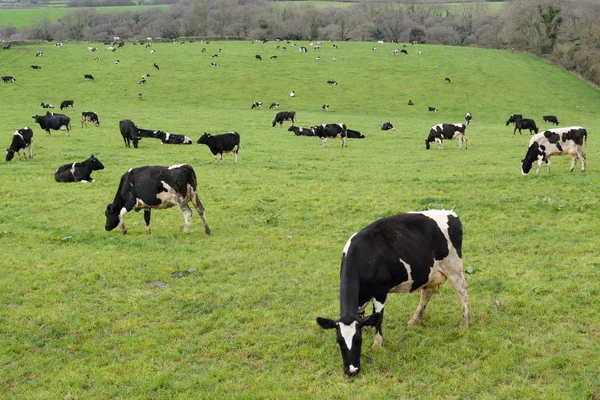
point(80, 317)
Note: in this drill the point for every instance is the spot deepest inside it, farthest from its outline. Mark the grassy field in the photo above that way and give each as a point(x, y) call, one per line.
point(90, 314)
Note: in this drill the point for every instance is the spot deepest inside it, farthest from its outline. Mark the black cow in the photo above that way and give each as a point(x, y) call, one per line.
point(89, 116)
point(22, 140)
point(46, 105)
point(54, 121)
point(156, 66)
point(387, 126)
point(468, 118)
point(334, 83)
point(222, 143)
point(8, 79)
point(274, 105)
point(433, 109)
point(300, 131)
point(325, 131)
point(148, 188)
point(550, 118)
point(557, 141)
point(440, 132)
point(525, 123)
point(149, 133)
point(36, 67)
point(447, 79)
point(129, 132)
point(513, 118)
point(78, 171)
point(404, 52)
point(410, 103)
point(173, 138)
point(352, 134)
point(256, 104)
point(284, 116)
point(66, 103)
point(88, 76)
point(39, 53)
point(258, 57)
point(398, 254)
point(325, 107)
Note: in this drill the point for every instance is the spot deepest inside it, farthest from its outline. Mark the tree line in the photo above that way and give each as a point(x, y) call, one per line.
point(566, 32)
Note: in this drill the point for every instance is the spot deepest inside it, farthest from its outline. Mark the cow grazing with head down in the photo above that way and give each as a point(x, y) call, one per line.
point(550, 118)
point(129, 132)
point(300, 131)
point(88, 76)
point(22, 140)
point(78, 171)
point(325, 131)
point(398, 254)
point(172, 138)
point(256, 104)
point(555, 142)
point(148, 188)
point(54, 121)
point(89, 116)
point(222, 143)
point(274, 105)
point(66, 104)
point(8, 79)
point(440, 132)
point(284, 116)
point(325, 107)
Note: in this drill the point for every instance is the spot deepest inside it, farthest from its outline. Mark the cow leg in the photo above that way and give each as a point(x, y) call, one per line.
point(344, 144)
point(31, 149)
point(378, 309)
point(581, 155)
point(460, 286)
point(573, 162)
point(324, 142)
point(548, 165)
point(418, 315)
point(147, 220)
point(201, 211)
point(540, 161)
point(187, 215)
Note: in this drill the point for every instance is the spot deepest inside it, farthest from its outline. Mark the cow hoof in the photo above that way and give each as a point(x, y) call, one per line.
point(207, 230)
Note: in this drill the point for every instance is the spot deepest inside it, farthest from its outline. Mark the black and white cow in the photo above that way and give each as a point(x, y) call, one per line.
point(300, 131)
point(8, 79)
point(129, 132)
point(66, 104)
point(325, 131)
point(173, 138)
point(78, 171)
point(156, 66)
point(36, 67)
point(325, 107)
point(39, 53)
point(397, 254)
point(555, 142)
point(54, 121)
point(256, 104)
point(284, 116)
point(432, 109)
point(88, 76)
point(410, 103)
point(440, 132)
point(46, 105)
point(22, 140)
point(525, 123)
point(387, 126)
point(352, 134)
point(404, 51)
point(447, 79)
point(222, 143)
point(274, 105)
point(468, 118)
point(89, 116)
point(334, 83)
point(258, 57)
point(550, 118)
point(155, 187)
point(513, 118)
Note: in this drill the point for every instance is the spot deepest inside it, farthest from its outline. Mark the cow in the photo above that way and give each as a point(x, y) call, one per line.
point(398, 254)
point(274, 105)
point(156, 66)
point(78, 171)
point(525, 123)
point(325, 107)
point(129, 132)
point(447, 79)
point(432, 109)
point(387, 126)
point(256, 104)
point(273, 58)
point(141, 82)
point(292, 94)
point(352, 134)
point(513, 118)
point(440, 132)
point(213, 64)
point(173, 138)
point(334, 83)
point(404, 52)
point(88, 76)
point(410, 103)
point(300, 131)
point(325, 131)
point(89, 116)
point(145, 76)
point(302, 49)
point(46, 105)
point(22, 140)
point(36, 67)
point(258, 57)
point(550, 118)
point(54, 121)
point(155, 187)
point(39, 53)
point(66, 104)
point(557, 141)
point(8, 79)
point(284, 116)
point(222, 143)
point(468, 118)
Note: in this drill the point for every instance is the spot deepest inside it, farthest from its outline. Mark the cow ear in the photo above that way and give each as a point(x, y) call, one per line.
point(326, 323)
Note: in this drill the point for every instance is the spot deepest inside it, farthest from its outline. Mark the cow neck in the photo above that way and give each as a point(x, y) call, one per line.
point(349, 290)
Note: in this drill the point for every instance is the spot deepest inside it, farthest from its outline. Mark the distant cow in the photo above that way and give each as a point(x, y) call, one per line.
point(432, 109)
point(550, 118)
point(173, 138)
point(468, 118)
point(352, 134)
point(78, 171)
point(8, 79)
point(410, 103)
point(22, 139)
point(258, 57)
point(66, 103)
point(156, 66)
point(440, 132)
point(332, 83)
point(141, 82)
point(155, 187)
point(129, 132)
point(525, 123)
point(387, 126)
point(256, 104)
point(447, 79)
point(39, 53)
point(36, 67)
point(89, 116)
point(325, 107)
point(222, 143)
point(292, 94)
point(88, 76)
point(54, 121)
point(46, 105)
point(274, 105)
point(557, 141)
point(284, 116)
point(404, 52)
point(325, 131)
point(300, 131)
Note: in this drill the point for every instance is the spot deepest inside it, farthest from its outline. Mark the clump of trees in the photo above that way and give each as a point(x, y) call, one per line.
point(565, 31)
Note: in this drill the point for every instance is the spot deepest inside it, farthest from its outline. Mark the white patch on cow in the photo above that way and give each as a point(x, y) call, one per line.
point(438, 127)
point(18, 134)
point(73, 170)
point(176, 166)
point(347, 246)
point(167, 136)
point(348, 332)
point(440, 217)
point(406, 286)
point(377, 305)
point(352, 369)
point(129, 170)
point(122, 213)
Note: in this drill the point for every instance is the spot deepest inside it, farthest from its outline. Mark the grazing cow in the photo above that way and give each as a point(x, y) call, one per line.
point(352, 134)
point(129, 132)
point(273, 57)
point(292, 93)
point(78, 171)
point(222, 143)
point(525, 123)
point(302, 49)
point(173, 138)
point(39, 53)
point(212, 64)
point(325, 131)
point(66, 103)
point(58, 44)
point(141, 82)
point(557, 141)
point(300, 131)
point(274, 105)
point(468, 118)
point(8, 79)
point(22, 140)
point(117, 61)
point(258, 57)
point(156, 66)
point(513, 118)
point(54, 121)
point(397, 254)
point(140, 96)
point(387, 126)
point(88, 76)
point(404, 52)
point(550, 118)
point(332, 82)
point(447, 79)
point(284, 116)
point(325, 107)
point(148, 188)
point(145, 76)
point(89, 116)
point(432, 109)
point(256, 104)
point(36, 67)
point(410, 103)
point(46, 105)
point(440, 132)
point(96, 58)
point(396, 52)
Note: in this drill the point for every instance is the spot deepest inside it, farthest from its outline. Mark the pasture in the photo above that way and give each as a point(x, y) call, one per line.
point(86, 313)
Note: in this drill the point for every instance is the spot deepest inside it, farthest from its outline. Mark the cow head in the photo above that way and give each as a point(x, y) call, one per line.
point(349, 337)
point(112, 217)
point(535, 152)
point(205, 137)
point(10, 153)
point(95, 163)
point(37, 118)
